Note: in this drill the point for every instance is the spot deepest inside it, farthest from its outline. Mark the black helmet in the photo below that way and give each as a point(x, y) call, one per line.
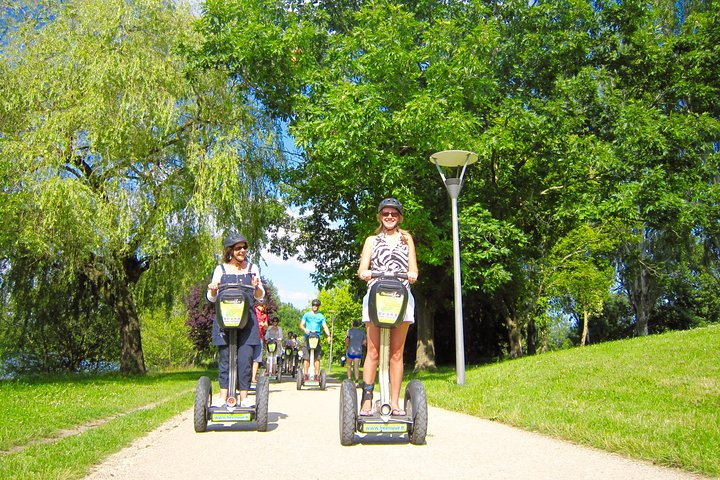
point(233, 239)
point(316, 302)
point(391, 202)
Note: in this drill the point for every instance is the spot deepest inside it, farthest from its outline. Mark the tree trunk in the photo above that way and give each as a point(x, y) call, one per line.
point(514, 336)
point(585, 333)
point(132, 359)
point(532, 337)
point(639, 283)
point(117, 294)
point(640, 297)
point(425, 324)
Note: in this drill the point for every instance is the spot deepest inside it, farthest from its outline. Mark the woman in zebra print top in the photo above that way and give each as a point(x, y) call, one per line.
point(391, 249)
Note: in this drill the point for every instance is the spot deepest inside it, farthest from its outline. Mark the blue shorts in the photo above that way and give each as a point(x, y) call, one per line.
point(353, 356)
point(257, 353)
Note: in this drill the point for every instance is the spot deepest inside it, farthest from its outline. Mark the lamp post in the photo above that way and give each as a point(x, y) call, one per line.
point(455, 159)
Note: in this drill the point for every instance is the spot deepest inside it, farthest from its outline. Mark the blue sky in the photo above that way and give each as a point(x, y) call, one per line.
point(291, 278)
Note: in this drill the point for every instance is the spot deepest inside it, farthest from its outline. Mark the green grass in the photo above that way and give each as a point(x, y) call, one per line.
point(42, 434)
point(655, 398)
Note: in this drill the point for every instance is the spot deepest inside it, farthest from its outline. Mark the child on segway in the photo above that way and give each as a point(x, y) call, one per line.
point(390, 250)
point(236, 269)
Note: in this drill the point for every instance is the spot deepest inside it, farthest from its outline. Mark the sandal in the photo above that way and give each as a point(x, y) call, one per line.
point(398, 412)
point(366, 413)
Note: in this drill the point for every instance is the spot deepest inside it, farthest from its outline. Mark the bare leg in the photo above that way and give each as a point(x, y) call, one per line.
point(223, 396)
point(254, 371)
point(397, 348)
point(356, 363)
point(371, 360)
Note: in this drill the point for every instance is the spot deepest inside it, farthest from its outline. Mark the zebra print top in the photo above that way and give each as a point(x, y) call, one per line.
point(389, 258)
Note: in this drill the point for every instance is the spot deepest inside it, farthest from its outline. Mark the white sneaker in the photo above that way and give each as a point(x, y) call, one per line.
point(247, 403)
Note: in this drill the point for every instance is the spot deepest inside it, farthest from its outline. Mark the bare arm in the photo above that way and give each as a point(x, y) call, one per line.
point(364, 271)
point(412, 272)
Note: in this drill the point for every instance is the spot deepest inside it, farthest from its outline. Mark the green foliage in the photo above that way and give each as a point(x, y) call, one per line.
point(166, 342)
point(119, 162)
point(580, 113)
point(289, 317)
point(340, 308)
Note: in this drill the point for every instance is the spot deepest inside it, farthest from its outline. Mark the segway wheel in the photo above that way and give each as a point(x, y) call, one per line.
point(262, 397)
point(323, 379)
point(348, 413)
point(416, 407)
point(203, 400)
point(299, 379)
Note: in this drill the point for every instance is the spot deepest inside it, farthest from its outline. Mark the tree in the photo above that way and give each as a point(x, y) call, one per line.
point(579, 113)
point(582, 274)
point(119, 162)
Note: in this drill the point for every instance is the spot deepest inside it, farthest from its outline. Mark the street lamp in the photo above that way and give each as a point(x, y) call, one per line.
point(455, 159)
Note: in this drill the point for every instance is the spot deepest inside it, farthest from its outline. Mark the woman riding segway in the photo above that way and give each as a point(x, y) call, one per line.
point(234, 287)
point(390, 250)
point(389, 265)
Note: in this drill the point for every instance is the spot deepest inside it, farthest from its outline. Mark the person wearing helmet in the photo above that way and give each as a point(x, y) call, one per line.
point(312, 321)
point(391, 249)
point(236, 268)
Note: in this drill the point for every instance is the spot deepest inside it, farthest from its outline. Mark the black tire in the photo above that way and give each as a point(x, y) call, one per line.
point(203, 400)
point(299, 379)
point(262, 398)
point(416, 407)
point(348, 413)
point(323, 379)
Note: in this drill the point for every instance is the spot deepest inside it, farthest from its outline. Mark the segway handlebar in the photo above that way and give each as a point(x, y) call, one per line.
point(402, 276)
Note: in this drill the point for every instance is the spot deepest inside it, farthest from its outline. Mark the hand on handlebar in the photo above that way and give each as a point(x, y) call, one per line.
point(366, 275)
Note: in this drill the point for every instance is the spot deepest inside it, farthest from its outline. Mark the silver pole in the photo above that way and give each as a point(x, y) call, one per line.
point(453, 186)
point(332, 339)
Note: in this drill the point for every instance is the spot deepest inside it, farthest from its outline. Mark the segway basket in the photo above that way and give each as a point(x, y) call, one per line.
point(231, 307)
point(387, 303)
point(271, 345)
point(313, 340)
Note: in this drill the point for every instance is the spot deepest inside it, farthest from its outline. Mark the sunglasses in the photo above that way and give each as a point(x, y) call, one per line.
point(390, 214)
point(237, 248)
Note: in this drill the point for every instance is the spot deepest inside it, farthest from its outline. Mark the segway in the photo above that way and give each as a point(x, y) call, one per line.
point(271, 346)
point(312, 341)
point(386, 306)
point(232, 316)
point(289, 361)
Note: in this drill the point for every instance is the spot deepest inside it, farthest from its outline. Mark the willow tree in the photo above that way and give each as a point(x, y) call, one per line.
point(118, 162)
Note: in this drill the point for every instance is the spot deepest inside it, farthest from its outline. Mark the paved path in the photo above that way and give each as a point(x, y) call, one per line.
point(302, 442)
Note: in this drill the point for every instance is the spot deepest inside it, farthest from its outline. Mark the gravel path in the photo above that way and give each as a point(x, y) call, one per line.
point(302, 442)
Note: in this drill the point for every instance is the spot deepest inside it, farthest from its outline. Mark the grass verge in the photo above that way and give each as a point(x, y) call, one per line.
point(655, 398)
point(45, 431)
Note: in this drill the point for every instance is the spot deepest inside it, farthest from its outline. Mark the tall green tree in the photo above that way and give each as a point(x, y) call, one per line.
point(119, 162)
point(582, 113)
